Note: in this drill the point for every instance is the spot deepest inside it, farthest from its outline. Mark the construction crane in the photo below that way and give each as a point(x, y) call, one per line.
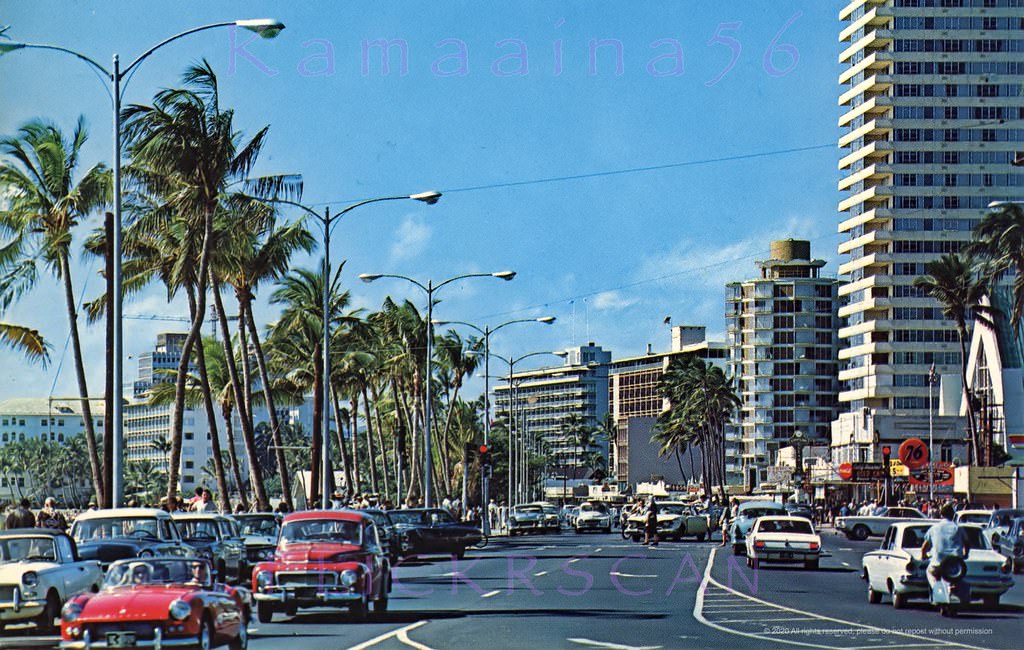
point(182, 319)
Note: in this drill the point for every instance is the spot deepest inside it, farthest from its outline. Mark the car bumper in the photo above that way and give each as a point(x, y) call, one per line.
point(305, 596)
point(158, 641)
point(592, 523)
point(914, 585)
point(791, 555)
point(18, 609)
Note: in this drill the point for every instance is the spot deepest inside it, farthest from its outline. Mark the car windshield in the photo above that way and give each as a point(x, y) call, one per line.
point(785, 526)
point(974, 517)
point(105, 528)
point(197, 529)
point(163, 571)
point(27, 549)
point(753, 513)
point(1003, 517)
point(913, 536)
point(258, 526)
point(529, 509)
point(672, 509)
point(599, 508)
point(337, 531)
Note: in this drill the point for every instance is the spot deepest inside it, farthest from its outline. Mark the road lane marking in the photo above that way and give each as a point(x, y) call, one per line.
point(613, 646)
point(542, 573)
point(575, 560)
point(845, 563)
point(491, 593)
point(403, 636)
point(841, 640)
point(630, 575)
point(846, 549)
point(598, 550)
point(393, 633)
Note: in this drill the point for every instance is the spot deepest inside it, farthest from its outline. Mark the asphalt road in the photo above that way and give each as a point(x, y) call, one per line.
point(599, 591)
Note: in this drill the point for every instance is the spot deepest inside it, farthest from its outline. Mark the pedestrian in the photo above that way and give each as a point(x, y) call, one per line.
point(205, 503)
point(50, 517)
point(22, 516)
point(651, 523)
point(725, 522)
point(196, 498)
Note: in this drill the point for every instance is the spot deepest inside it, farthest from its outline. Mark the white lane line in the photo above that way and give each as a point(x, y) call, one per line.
point(542, 573)
point(845, 563)
point(598, 550)
point(846, 549)
point(698, 614)
point(575, 560)
point(630, 575)
point(491, 593)
point(403, 636)
point(612, 646)
point(384, 637)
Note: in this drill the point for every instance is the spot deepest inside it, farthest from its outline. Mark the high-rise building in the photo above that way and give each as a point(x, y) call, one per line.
point(931, 105)
point(782, 335)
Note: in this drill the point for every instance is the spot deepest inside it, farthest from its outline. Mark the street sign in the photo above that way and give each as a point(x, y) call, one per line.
point(914, 453)
point(897, 468)
point(942, 476)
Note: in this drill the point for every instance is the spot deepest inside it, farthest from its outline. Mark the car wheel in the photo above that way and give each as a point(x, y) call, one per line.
point(755, 564)
point(899, 600)
point(608, 531)
point(50, 611)
point(204, 640)
point(750, 564)
point(701, 537)
point(264, 612)
point(991, 600)
point(874, 597)
point(359, 609)
point(860, 532)
point(1017, 566)
point(291, 610)
point(811, 565)
point(736, 550)
point(241, 642)
point(460, 553)
point(381, 604)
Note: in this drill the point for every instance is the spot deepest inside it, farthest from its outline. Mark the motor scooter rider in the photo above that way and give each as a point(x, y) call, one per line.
point(943, 540)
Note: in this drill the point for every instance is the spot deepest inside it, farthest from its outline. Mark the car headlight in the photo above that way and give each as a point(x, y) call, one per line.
point(179, 610)
point(264, 578)
point(30, 578)
point(265, 554)
point(70, 612)
point(349, 577)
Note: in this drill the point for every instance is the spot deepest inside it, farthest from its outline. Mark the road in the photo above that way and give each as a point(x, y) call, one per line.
point(598, 591)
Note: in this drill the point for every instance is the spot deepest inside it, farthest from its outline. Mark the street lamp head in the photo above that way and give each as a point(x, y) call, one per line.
point(505, 275)
point(547, 320)
point(264, 27)
point(369, 277)
point(430, 198)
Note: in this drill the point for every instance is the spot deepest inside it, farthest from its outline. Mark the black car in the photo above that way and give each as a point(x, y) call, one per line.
point(433, 531)
point(386, 531)
point(259, 532)
point(121, 533)
point(216, 538)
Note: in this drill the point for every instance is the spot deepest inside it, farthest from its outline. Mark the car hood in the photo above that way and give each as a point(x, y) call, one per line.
point(11, 572)
point(528, 516)
point(133, 603)
point(315, 552)
point(592, 515)
point(259, 540)
point(116, 548)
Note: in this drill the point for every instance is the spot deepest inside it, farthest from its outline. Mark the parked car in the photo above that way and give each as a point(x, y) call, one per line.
point(432, 531)
point(523, 519)
point(39, 570)
point(746, 514)
point(120, 533)
point(215, 538)
point(973, 517)
point(331, 558)
point(896, 567)
point(783, 539)
point(999, 522)
point(551, 520)
point(593, 515)
point(860, 527)
point(675, 521)
point(1011, 544)
point(157, 602)
point(388, 533)
point(259, 534)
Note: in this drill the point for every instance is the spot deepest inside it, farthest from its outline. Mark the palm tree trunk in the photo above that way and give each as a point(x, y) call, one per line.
point(248, 435)
point(354, 414)
point(371, 457)
point(386, 474)
point(679, 462)
point(345, 460)
point(243, 357)
point(224, 503)
point(245, 311)
point(83, 389)
point(229, 432)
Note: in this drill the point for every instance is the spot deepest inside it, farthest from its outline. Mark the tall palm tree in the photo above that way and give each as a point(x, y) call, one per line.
point(44, 204)
point(953, 281)
point(186, 161)
point(999, 240)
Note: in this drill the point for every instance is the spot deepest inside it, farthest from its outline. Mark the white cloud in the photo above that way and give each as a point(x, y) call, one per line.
point(612, 300)
point(413, 237)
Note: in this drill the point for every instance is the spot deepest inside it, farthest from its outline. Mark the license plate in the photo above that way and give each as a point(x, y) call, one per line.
point(787, 556)
point(120, 639)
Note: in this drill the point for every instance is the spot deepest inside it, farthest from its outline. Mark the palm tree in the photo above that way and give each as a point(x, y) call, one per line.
point(954, 282)
point(999, 239)
point(25, 340)
point(43, 207)
point(185, 159)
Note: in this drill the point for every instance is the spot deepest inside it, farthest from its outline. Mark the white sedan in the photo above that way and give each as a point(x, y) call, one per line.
point(783, 539)
point(39, 571)
point(896, 567)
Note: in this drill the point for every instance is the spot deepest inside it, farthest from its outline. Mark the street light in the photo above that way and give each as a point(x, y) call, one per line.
point(430, 288)
point(265, 27)
point(487, 331)
point(325, 220)
point(513, 475)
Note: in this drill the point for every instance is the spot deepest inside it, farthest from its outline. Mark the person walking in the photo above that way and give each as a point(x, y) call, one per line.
point(725, 522)
point(50, 517)
point(651, 523)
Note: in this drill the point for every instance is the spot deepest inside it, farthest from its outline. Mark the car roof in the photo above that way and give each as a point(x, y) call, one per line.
point(786, 518)
point(213, 516)
point(341, 515)
point(32, 532)
point(107, 513)
point(748, 505)
point(974, 512)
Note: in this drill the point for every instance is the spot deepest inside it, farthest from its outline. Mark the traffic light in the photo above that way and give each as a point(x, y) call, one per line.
point(485, 456)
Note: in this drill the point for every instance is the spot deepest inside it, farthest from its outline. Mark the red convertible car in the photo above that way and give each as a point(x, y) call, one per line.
point(324, 558)
point(157, 603)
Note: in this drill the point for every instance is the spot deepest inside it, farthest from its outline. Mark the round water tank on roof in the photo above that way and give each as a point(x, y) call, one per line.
point(791, 249)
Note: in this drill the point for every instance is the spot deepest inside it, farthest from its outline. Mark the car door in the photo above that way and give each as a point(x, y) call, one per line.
point(374, 553)
point(75, 576)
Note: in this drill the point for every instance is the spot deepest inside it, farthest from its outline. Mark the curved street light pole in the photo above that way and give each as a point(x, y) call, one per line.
point(327, 222)
point(265, 27)
point(487, 331)
point(430, 288)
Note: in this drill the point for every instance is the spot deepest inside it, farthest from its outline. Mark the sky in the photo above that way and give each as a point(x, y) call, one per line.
point(627, 160)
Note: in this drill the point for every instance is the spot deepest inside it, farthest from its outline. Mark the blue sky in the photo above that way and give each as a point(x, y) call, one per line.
point(620, 195)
